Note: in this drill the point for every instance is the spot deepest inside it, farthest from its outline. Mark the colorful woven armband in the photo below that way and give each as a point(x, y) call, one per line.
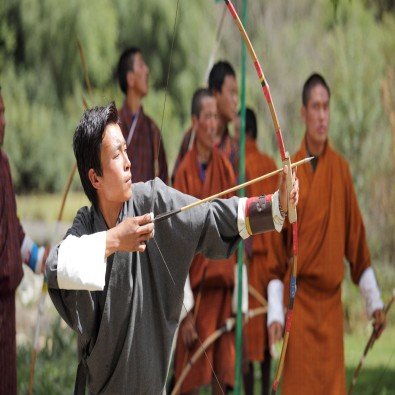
point(258, 214)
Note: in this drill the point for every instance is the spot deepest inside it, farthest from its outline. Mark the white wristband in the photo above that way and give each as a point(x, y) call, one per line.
point(370, 291)
point(278, 219)
point(244, 294)
point(275, 311)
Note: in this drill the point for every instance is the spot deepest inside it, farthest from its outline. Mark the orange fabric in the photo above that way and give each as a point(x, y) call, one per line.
point(257, 164)
point(216, 288)
point(330, 228)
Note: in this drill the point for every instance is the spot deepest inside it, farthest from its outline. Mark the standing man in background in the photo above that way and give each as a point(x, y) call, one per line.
point(203, 171)
point(143, 138)
point(330, 229)
point(15, 248)
point(223, 85)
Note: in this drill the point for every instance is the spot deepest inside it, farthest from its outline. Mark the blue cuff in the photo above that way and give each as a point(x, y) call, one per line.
point(33, 257)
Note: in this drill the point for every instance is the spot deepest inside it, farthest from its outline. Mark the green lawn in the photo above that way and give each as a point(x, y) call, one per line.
point(378, 372)
point(45, 207)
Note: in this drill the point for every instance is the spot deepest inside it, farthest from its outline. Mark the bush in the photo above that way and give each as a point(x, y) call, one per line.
point(56, 364)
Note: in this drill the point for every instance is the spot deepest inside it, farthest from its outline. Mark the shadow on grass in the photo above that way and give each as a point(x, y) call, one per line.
point(374, 381)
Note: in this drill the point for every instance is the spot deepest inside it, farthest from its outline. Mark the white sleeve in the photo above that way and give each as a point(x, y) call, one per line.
point(241, 218)
point(244, 294)
point(189, 300)
point(275, 311)
point(370, 291)
point(278, 219)
point(82, 263)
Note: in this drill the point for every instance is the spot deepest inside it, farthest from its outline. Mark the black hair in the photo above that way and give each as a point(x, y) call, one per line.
point(217, 75)
point(311, 82)
point(197, 99)
point(251, 124)
point(125, 65)
point(87, 140)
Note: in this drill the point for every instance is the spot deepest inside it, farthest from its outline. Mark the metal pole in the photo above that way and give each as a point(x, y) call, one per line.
point(239, 318)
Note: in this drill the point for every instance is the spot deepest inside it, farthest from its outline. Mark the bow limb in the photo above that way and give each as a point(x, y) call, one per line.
point(201, 350)
point(225, 328)
point(286, 161)
point(292, 217)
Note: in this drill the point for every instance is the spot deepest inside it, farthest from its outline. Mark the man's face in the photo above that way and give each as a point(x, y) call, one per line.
point(2, 121)
point(139, 76)
point(207, 123)
point(316, 116)
point(114, 186)
point(227, 99)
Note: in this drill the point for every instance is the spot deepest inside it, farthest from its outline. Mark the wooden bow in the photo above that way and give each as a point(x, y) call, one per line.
point(292, 215)
point(225, 328)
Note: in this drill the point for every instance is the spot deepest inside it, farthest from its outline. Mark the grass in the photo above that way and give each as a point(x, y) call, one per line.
point(377, 375)
point(45, 207)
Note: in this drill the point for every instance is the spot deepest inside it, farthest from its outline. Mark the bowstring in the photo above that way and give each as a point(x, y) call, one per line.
point(154, 183)
point(186, 310)
point(164, 103)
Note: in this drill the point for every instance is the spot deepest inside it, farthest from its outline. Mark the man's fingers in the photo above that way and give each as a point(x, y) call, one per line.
point(141, 247)
point(143, 238)
point(278, 333)
point(144, 219)
point(148, 228)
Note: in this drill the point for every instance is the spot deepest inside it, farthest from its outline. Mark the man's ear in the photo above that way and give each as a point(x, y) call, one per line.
point(94, 179)
point(303, 113)
point(195, 121)
point(130, 78)
point(216, 94)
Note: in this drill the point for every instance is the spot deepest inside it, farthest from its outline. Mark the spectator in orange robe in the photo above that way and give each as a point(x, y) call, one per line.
point(223, 85)
point(203, 172)
point(330, 229)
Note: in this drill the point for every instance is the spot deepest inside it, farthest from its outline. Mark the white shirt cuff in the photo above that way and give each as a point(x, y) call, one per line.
point(34, 262)
point(275, 312)
point(26, 247)
point(244, 291)
point(241, 218)
point(81, 262)
point(189, 300)
point(370, 291)
point(278, 219)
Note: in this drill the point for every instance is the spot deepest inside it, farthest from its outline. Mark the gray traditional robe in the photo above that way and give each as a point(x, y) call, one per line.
point(125, 332)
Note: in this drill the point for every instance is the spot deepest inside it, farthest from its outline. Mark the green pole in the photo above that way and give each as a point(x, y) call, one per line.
point(240, 252)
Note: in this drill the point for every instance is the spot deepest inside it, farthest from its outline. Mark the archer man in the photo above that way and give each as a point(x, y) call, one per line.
point(116, 280)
